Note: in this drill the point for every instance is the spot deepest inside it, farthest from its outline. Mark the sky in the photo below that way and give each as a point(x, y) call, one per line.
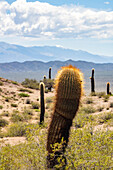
point(76, 24)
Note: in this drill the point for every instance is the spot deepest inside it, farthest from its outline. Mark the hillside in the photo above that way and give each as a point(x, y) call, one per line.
point(12, 52)
point(23, 141)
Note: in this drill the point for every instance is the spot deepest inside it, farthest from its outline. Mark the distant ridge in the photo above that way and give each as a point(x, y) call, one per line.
point(39, 66)
point(12, 52)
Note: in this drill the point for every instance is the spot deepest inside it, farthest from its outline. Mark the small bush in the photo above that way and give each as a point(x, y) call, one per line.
point(16, 117)
point(100, 108)
point(3, 122)
point(105, 117)
point(1, 107)
point(14, 105)
point(88, 109)
point(14, 82)
point(49, 99)
point(89, 101)
point(35, 105)
point(7, 99)
point(101, 94)
point(25, 90)
point(1, 83)
point(23, 95)
point(111, 104)
point(5, 113)
point(18, 129)
point(0, 90)
point(106, 97)
point(28, 101)
point(31, 83)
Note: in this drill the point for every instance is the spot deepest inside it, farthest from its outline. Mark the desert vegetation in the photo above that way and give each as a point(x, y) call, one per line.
point(23, 140)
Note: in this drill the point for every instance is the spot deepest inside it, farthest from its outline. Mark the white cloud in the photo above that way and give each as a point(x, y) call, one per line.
point(36, 19)
point(107, 3)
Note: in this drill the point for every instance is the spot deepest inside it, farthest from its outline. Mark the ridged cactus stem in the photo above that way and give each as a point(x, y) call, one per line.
point(92, 81)
point(42, 103)
point(68, 93)
point(49, 72)
point(108, 88)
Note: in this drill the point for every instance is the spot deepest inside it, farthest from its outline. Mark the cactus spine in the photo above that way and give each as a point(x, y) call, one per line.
point(108, 88)
point(42, 103)
point(92, 81)
point(49, 72)
point(68, 93)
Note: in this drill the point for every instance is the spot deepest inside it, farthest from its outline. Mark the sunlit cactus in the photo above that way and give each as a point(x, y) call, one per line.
point(42, 103)
point(92, 82)
point(67, 98)
point(49, 72)
point(108, 88)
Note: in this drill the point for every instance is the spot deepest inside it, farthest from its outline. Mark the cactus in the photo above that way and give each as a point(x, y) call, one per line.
point(68, 93)
point(108, 88)
point(49, 72)
point(42, 103)
point(92, 81)
point(44, 77)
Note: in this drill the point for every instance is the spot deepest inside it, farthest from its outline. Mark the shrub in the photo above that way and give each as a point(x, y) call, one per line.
point(14, 82)
point(25, 90)
point(88, 109)
point(105, 117)
point(49, 99)
point(16, 117)
point(101, 94)
point(18, 129)
point(111, 104)
point(1, 83)
point(1, 107)
point(35, 105)
point(89, 101)
point(3, 122)
point(23, 95)
point(106, 97)
point(28, 101)
point(31, 83)
point(14, 105)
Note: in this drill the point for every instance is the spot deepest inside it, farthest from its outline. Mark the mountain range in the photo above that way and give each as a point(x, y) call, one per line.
point(12, 52)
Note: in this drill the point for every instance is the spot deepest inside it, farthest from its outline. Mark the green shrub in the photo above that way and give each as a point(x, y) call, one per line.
point(3, 122)
point(28, 101)
point(16, 117)
point(1, 107)
point(105, 117)
point(89, 101)
point(49, 99)
point(88, 109)
point(14, 82)
point(101, 94)
point(18, 129)
point(25, 90)
point(106, 97)
point(111, 104)
point(14, 105)
point(23, 95)
point(1, 83)
point(31, 83)
point(35, 105)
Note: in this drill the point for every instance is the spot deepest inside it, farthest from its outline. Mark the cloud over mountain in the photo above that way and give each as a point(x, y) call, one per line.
point(36, 19)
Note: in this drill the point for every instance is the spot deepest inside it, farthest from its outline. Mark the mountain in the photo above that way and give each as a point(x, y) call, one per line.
point(11, 52)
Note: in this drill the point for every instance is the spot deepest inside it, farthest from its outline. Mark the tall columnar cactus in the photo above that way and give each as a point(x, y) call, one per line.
point(49, 72)
point(42, 103)
point(108, 88)
point(92, 81)
point(68, 93)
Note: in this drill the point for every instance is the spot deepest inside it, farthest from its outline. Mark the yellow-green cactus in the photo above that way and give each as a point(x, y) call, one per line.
point(68, 90)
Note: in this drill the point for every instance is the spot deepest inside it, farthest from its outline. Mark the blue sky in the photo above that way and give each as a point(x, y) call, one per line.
point(77, 24)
